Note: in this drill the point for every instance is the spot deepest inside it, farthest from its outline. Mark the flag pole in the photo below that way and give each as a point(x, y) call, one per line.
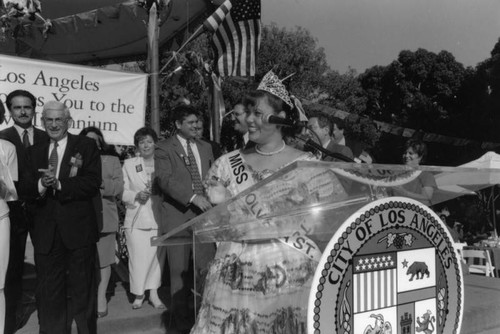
point(153, 31)
point(216, 101)
point(193, 36)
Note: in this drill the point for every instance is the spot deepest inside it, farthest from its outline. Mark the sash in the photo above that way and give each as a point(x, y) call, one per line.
point(240, 176)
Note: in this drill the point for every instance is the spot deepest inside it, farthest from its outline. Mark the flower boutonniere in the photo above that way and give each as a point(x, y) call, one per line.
point(75, 162)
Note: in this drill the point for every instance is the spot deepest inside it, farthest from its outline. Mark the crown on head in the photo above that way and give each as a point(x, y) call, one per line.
point(272, 84)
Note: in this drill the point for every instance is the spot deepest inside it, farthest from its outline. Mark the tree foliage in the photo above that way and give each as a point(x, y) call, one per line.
point(422, 90)
point(419, 89)
point(289, 53)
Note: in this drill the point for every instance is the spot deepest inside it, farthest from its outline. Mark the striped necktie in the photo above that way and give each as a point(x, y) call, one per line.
point(53, 158)
point(193, 170)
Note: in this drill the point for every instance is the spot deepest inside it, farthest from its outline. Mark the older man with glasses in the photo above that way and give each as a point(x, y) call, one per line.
point(65, 176)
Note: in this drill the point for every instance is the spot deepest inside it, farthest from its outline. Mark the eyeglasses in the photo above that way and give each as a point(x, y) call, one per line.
point(58, 121)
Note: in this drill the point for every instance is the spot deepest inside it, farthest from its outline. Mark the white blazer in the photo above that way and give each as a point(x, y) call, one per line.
point(135, 179)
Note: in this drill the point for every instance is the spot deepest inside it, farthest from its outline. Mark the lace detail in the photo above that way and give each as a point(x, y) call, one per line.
point(261, 175)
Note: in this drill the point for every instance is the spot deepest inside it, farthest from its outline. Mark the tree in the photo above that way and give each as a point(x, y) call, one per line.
point(418, 90)
point(294, 53)
point(486, 100)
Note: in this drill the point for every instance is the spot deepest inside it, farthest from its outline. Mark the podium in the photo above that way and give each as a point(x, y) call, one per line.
point(384, 263)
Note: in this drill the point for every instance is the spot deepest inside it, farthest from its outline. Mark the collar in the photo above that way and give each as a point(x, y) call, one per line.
point(20, 130)
point(61, 142)
point(184, 140)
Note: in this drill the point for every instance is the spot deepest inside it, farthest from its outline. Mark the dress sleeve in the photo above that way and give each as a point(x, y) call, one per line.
point(428, 180)
point(12, 163)
point(221, 170)
point(128, 196)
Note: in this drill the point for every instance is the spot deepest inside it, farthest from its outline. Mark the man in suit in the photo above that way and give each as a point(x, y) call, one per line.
point(65, 177)
point(181, 162)
point(321, 126)
point(22, 134)
point(239, 119)
point(216, 148)
point(358, 148)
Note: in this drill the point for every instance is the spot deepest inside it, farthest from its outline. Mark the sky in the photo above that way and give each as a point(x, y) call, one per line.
point(364, 33)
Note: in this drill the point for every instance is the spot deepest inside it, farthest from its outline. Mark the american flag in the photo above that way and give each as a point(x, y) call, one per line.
point(374, 282)
point(236, 37)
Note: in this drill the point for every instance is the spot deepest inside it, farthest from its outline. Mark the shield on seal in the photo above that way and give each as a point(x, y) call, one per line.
point(390, 268)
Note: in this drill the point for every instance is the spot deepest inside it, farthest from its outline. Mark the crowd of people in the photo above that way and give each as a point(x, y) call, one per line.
point(63, 190)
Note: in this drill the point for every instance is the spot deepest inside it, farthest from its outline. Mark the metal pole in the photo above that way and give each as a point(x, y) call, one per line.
point(153, 32)
point(495, 232)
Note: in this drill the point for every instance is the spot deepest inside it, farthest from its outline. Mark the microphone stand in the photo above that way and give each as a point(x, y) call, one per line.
point(313, 144)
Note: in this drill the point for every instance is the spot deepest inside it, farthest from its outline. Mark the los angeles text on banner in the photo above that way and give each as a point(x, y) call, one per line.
point(113, 101)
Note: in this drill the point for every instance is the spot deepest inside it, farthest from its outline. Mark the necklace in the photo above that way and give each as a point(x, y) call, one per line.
point(272, 152)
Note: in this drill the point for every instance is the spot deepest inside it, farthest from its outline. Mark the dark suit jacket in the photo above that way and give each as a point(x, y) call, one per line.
point(111, 188)
point(357, 147)
point(175, 184)
point(336, 148)
point(216, 148)
point(71, 209)
point(11, 134)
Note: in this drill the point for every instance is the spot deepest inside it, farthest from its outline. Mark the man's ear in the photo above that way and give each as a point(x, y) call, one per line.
point(178, 124)
point(282, 114)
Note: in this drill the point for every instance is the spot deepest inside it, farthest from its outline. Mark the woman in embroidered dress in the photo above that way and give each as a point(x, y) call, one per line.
point(8, 174)
point(256, 286)
point(145, 261)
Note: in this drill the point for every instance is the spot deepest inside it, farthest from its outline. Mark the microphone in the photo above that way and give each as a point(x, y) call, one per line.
point(313, 144)
point(272, 119)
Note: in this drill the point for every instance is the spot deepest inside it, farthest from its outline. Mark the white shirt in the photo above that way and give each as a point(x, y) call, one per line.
point(60, 152)
point(194, 148)
point(196, 154)
point(325, 145)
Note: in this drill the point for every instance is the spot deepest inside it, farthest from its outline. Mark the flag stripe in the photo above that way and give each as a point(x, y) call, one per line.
point(385, 294)
point(214, 20)
point(236, 40)
point(374, 290)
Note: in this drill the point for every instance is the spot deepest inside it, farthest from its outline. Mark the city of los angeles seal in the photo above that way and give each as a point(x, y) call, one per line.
point(390, 268)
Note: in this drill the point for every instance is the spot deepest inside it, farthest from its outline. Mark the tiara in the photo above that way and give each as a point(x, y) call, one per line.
point(272, 84)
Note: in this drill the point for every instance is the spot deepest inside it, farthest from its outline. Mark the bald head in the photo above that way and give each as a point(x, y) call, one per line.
point(56, 105)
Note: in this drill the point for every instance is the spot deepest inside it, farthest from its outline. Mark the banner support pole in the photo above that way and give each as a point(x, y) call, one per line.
point(153, 32)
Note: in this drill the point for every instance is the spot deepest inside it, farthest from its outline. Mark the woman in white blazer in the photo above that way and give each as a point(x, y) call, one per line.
point(145, 261)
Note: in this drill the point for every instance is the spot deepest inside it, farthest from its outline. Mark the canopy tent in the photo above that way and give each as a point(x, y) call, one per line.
point(98, 30)
point(480, 173)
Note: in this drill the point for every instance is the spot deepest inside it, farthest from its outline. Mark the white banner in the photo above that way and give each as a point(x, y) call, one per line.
point(113, 101)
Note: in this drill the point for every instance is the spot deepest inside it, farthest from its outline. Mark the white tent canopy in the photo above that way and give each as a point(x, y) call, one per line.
point(477, 174)
point(474, 175)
